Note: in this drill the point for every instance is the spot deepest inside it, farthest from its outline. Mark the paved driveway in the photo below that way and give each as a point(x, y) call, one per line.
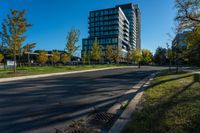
point(40, 105)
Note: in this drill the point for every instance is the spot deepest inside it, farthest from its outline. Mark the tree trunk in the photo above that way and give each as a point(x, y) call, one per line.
point(177, 65)
point(14, 54)
point(29, 63)
point(139, 64)
point(170, 64)
point(4, 62)
point(198, 64)
point(19, 58)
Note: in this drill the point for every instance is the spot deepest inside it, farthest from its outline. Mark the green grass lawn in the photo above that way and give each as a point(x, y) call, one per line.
point(170, 105)
point(49, 69)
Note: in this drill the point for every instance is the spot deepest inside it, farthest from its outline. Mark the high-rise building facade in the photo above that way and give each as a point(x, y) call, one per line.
point(118, 26)
point(138, 27)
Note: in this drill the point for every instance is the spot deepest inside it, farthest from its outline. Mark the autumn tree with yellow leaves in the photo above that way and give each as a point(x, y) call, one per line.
point(14, 27)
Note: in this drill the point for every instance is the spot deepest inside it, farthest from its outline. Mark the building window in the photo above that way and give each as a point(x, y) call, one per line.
point(92, 24)
point(105, 23)
point(85, 47)
point(92, 29)
point(97, 14)
point(106, 17)
point(91, 19)
point(97, 33)
point(111, 11)
point(92, 14)
point(105, 12)
point(115, 11)
point(97, 28)
point(85, 42)
point(101, 13)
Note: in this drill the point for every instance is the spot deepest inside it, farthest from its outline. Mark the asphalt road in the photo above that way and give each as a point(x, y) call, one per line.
point(40, 105)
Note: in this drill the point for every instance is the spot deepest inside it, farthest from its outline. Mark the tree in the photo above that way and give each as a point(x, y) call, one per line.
point(27, 49)
point(84, 58)
point(88, 58)
point(193, 47)
point(1, 57)
point(109, 53)
point(14, 28)
point(188, 13)
point(3, 49)
point(65, 58)
point(129, 56)
point(160, 56)
point(188, 18)
point(55, 57)
point(72, 39)
point(137, 56)
point(117, 55)
point(42, 57)
point(146, 56)
point(96, 51)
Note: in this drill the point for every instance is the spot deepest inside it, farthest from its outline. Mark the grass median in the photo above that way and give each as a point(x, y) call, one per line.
point(25, 71)
point(171, 104)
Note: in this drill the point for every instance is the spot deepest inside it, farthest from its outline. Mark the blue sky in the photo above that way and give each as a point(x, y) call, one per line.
point(52, 19)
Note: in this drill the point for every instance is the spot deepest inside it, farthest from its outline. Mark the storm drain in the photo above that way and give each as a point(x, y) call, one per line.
point(70, 130)
point(102, 120)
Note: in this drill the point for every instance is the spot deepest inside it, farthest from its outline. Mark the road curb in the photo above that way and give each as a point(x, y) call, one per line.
point(55, 74)
point(126, 114)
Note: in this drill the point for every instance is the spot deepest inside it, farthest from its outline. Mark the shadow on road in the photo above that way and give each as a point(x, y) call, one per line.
point(44, 102)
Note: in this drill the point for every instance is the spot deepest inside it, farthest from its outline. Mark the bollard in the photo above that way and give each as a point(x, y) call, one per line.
point(197, 77)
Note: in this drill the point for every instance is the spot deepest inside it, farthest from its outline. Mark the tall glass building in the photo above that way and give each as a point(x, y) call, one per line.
point(118, 26)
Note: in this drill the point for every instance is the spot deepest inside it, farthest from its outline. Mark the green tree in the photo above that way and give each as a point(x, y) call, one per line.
point(193, 47)
point(42, 57)
point(96, 51)
point(72, 39)
point(117, 55)
point(137, 56)
point(88, 58)
point(160, 56)
point(146, 56)
point(65, 58)
point(84, 58)
point(14, 28)
point(109, 53)
point(188, 18)
point(3, 48)
point(1, 57)
point(129, 56)
point(55, 57)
